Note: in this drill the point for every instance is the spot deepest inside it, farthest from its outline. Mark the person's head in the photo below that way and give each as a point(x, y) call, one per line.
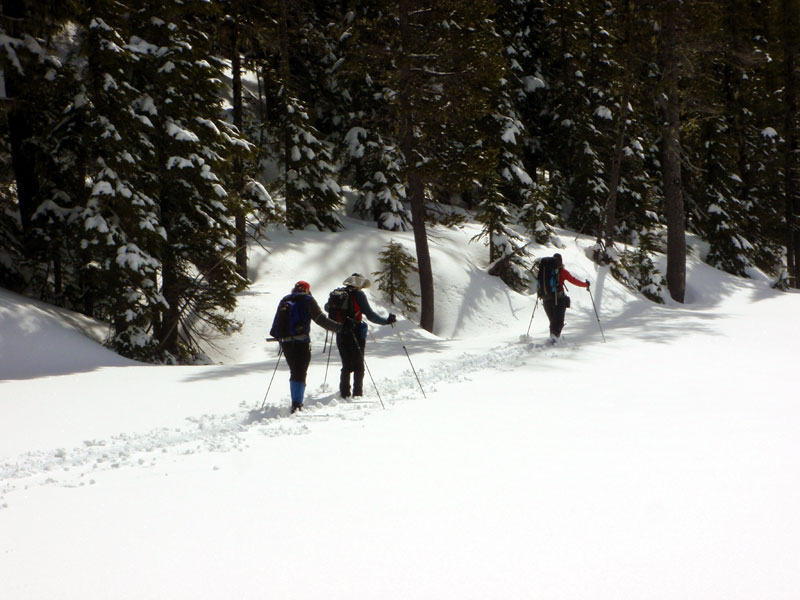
point(559, 261)
point(302, 287)
point(357, 281)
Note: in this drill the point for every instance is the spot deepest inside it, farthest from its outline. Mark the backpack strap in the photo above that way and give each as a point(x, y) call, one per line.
point(354, 303)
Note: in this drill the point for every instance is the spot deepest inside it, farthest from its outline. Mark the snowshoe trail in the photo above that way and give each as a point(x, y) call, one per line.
point(74, 467)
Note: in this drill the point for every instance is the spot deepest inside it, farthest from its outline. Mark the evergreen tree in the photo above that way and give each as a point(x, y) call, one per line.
point(447, 69)
point(671, 67)
point(577, 118)
point(396, 266)
point(35, 84)
point(372, 163)
point(506, 250)
point(308, 179)
point(628, 213)
point(790, 18)
point(242, 33)
point(511, 194)
point(633, 265)
point(179, 85)
point(116, 225)
point(723, 140)
point(246, 34)
point(526, 28)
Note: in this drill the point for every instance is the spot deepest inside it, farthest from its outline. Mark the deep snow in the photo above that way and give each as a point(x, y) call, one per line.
point(661, 464)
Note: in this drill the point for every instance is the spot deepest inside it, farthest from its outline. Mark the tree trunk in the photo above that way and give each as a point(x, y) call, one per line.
point(791, 166)
point(671, 152)
point(293, 219)
point(416, 187)
point(417, 194)
point(23, 160)
point(170, 320)
point(241, 218)
point(605, 236)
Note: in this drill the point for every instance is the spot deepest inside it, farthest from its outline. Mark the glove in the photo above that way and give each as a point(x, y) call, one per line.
point(391, 319)
point(587, 284)
point(349, 324)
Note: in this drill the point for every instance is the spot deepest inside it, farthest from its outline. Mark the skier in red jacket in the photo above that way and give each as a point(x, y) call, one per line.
point(552, 275)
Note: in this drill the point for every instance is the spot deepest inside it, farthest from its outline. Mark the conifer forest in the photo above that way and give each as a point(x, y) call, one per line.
point(146, 144)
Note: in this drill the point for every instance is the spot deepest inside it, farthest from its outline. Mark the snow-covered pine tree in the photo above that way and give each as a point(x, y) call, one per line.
point(371, 161)
point(449, 67)
point(714, 141)
point(506, 248)
point(396, 266)
point(628, 214)
point(761, 163)
point(245, 33)
point(377, 169)
point(516, 103)
point(384, 193)
point(761, 181)
point(307, 178)
point(789, 19)
point(580, 132)
point(192, 147)
point(115, 225)
point(633, 265)
point(36, 83)
point(435, 66)
point(739, 216)
point(374, 169)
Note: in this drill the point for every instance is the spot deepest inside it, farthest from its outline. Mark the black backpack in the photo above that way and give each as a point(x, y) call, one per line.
point(291, 318)
point(547, 277)
point(340, 304)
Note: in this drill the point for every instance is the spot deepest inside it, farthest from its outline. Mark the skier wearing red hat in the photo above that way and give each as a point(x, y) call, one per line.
point(291, 328)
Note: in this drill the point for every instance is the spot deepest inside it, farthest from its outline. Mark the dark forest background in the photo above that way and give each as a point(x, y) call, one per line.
point(144, 144)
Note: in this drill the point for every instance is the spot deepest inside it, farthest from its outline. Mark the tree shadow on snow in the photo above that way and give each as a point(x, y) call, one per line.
point(383, 342)
point(645, 320)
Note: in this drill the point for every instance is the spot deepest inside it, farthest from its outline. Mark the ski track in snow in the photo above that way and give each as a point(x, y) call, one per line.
point(228, 433)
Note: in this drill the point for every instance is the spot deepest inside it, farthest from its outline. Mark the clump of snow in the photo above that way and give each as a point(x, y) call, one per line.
point(603, 112)
point(769, 132)
point(533, 83)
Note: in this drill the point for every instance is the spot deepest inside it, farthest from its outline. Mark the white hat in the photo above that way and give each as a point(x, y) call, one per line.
point(357, 280)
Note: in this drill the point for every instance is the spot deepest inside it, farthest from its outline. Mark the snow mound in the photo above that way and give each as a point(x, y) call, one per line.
point(37, 339)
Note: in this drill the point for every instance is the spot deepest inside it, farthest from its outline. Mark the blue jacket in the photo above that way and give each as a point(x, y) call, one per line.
point(365, 309)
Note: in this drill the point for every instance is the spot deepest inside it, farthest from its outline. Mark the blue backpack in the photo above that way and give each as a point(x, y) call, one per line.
point(291, 318)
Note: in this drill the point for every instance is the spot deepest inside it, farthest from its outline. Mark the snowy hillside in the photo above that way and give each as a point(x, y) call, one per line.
point(661, 464)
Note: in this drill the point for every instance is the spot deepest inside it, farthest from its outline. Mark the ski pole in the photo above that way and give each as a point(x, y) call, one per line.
point(325, 345)
point(596, 315)
point(402, 343)
point(364, 360)
point(280, 351)
point(533, 313)
point(327, 362)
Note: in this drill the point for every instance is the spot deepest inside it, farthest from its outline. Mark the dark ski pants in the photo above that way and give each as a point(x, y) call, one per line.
point(298, 357)
point(351, 350)
point(556, 309)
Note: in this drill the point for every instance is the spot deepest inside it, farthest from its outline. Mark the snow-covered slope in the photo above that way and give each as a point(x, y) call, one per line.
point(39, 339)
point(661, 464)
